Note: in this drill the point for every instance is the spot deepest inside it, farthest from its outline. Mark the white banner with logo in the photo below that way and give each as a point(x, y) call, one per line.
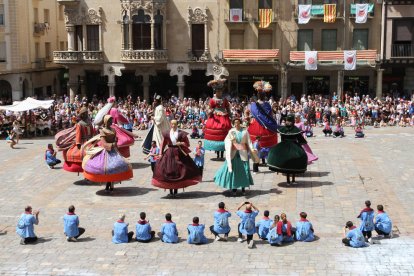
point(236, 15)
point(350, 60)
point(304, 14)
point(361, 13)
point(311, 60)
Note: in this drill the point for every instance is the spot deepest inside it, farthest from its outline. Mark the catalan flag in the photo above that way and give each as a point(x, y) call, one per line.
point(265, 17)
point(329, 13)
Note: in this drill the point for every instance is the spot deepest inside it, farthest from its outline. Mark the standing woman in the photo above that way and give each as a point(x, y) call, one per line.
point(288, 156)
point(235, 172)
point(104, 163)
point(175, 169)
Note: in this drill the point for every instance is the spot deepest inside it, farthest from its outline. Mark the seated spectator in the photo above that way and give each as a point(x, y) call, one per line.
point(120, 232)
point(25, 226)
point(273, 237)
point(221, 223)
point(196, 232)
point(169, 233)
point(304, 229)
point(194, 133)
point(71, 225)
point(308, 129)
point(143, 229)
point(247, 223)
point(50, 157)
point(338, 131)
point(10, 138)
point(354, 237)
point(383, 223)
point(327, 130)
point(285, 230)
point(358, 132)
point(263, 225)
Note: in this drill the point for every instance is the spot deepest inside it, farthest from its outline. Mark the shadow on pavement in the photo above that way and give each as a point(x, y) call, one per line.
point(191, 195)
point(42, 240)
point(85, 182)
point(251, 193)
point(305, 184)
point(136, 166)
point(87, 239)
point(125, 191)
point(314, 174)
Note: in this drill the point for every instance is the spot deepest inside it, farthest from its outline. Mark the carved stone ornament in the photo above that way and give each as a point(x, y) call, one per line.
point(74, 17)
point(148, 6)
point(197, 16)
point(216, 70)
point(93, 17)
point(179, 69)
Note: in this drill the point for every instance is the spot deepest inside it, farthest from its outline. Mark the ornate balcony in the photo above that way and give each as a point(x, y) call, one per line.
point(199, 56)
point(144, 56)
point(402, 50)
point(65, 57)
point(68, 2)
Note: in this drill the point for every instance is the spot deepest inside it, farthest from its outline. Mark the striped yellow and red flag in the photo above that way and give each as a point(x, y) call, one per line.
point(329, 13)
point(265, 17)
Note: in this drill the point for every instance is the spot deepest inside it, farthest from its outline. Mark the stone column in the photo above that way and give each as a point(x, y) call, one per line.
point(145, 86)
point(379, 83)
point(101, 37)
point(340, 84)
point(111, 85)
point(152, 35)
point(283, 83)
point(181, 86)
point(180, 70)
point(84, 40)
point(71, 37)
point(112, 70)
point(73, 86)
point(130, 35)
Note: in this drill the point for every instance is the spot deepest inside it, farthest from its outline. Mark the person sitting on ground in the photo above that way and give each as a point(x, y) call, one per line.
point(308, 129)
point(25, 226)
point(383, 223)
point(247, 223)
point(120, 232)
point(221, 223)
point(169, 233)
point(359, 132)
point(327, 130)
point(143, 229)
point(354, 237)
point(273, 237)
point(194, 132)
point(339, 130)
point(50, 157)
point(263, 225)
point(71, 225)
point(367, 221)
point(196, 232)
point(10, 138)
point(304, 229)
point(285, 230)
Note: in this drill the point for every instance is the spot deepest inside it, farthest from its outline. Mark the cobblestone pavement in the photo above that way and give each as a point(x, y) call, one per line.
point(349, 171)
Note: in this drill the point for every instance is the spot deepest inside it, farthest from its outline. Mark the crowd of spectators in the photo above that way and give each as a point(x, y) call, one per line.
point(192, 113)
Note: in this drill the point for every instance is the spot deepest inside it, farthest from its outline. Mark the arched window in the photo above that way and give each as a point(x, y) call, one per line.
point(125, 22)
point(141, 31)
point(5, 92)
point(158, 18)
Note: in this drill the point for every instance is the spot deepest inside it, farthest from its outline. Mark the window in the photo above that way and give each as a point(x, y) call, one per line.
point(1, 14)
point(236, 4)
point(92, 34)
point(265, 39)
point(141, 31)
point(236, 39)
point(78, 38)
point(46, 16)
point(360, 39)
point(265, 4)
point(125, 23)
point(158, 30)
point(197, 39)
point(48, 51)
point(3, 52)
point(329, 40)
point(403, 31)
point(305, 2)
point(305, 40)
point(321, 2)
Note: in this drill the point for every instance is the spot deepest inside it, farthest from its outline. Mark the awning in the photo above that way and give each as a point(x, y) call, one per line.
point(252, 55)
point(27, 104)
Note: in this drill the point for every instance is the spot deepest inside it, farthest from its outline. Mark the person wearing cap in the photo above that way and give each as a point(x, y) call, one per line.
point(120, 232)
point(71, 225)
point(169, 233)
point(144, 233)
point(353, 236)
point(304, 229)
point(288, 156)
point(25, 225)
point(196, 232)
point(263, 225)
point(247, 223)
point(221, 223)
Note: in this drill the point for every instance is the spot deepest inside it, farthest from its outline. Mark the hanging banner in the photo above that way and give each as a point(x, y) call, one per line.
point(311, 60)
point(265, 17)
point(236, 15)
point(349, 60)
point(329, 13)
point(361, 13)
point(304, 14)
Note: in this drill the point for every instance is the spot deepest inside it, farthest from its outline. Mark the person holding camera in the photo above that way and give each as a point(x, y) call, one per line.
point(247, 226)
point(25, 226)
point(353, 236)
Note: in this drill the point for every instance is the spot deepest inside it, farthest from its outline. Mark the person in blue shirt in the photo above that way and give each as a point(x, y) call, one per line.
point(304, 229)
point(169, 233)
point(354, 237)
point(143, 229)
point(71, 225)
point(272, 236)
point(221, 223)
point(120, 232)
point(383, 223)
point(25, 225)
point(263, 225)
point(153, 155)
point(196, 232)
point(50, 157)
point(199, 156)
point(247, 224)
point(367, 221)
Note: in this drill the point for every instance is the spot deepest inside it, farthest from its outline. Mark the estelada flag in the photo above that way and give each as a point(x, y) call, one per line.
point(329, 13)
point(265, 17)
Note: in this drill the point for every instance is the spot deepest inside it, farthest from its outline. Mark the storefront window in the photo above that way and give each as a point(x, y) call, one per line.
point(318, 85)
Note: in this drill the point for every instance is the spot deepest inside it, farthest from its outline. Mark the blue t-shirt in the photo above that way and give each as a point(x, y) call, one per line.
point(169, 232)
point(263, 226)
point(25, 226)
point(247, 225)
point(199, 160)
point(71, 224)
point(356, 238)
point(120, 232)
point(367, 220)
point(304, 231)
point(383, 223)
point(221, 222)
point(196, 234)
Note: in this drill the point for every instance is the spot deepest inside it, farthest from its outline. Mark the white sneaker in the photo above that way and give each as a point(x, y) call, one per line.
point(251, 244)
point(217, 238)
point(240, 240)
point(370, 240)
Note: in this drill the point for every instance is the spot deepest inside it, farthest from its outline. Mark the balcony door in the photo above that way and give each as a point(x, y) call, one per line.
point(141, 31)
point(197, 39)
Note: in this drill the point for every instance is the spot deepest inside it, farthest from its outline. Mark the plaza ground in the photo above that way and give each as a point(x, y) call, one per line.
point(333, 191)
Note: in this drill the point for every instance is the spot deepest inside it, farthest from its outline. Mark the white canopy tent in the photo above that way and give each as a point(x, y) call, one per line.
point(27, 104)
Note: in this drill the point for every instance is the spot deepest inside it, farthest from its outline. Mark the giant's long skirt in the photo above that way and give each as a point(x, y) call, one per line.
point(124, 140)
point(240, 176)
point(73, 158)
point(106, 166)
point(287, 157)
point(268, 138)
point(215, 130)
point(175, 170)
point(311, 156)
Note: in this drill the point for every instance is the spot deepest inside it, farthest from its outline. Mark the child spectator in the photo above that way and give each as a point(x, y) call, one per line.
point(367, 221)
point(169, 233)
point(71, 225)
point(383, 223)
point(194, 133)
point(199, 156)
point(308, 129)
point(10, 138)
point(285, 230)
point(196, 232)
point(221, 223)
point(273, 236)
point(354, 237)
point(247, 224)
point(338, 131)
point(143, 229)
point(153, 155)
point(50, 157)
point(120, 232)
point(304, 229)
point(327, 130)
point(263, 225)
point(358, 132)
